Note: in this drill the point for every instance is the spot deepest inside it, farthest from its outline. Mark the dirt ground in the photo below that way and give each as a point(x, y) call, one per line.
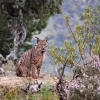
point(14, 80)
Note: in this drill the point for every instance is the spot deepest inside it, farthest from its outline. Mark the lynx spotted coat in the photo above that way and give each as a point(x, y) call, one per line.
point(30, 62)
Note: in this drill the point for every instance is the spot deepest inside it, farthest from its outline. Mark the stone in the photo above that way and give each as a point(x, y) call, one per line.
point(9, 73)
point(2, 71)
point(32, 87)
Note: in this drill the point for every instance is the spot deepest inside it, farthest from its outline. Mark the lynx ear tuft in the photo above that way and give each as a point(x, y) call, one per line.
point(37, 39)
point(46, 39)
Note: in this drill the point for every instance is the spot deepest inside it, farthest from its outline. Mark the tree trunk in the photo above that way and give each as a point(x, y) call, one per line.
point(19, 36)
point(61, 85)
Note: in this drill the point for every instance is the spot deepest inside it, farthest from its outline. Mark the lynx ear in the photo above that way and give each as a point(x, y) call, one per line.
point(46, 39)
point(37, 39)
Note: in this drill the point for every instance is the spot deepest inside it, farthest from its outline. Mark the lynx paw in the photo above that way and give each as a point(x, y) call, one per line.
point(41, 76)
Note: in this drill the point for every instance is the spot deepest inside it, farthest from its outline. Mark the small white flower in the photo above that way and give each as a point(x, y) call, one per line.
point(81, 90)
point(85, 75)
point(95, 77)
point(98, 89)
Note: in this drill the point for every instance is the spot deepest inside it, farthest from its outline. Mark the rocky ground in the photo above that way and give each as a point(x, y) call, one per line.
point(19, 88)
point(25, 88)
point(14, 80)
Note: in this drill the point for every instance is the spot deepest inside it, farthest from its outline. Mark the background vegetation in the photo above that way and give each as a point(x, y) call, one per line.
point(56, 27)
point(34, 17)
point(82, 53)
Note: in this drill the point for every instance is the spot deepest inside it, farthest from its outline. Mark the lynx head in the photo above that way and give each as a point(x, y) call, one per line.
point(42, 44)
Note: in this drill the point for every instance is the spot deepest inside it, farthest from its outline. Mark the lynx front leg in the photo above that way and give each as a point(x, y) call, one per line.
point(39, 72)
point(34, 71)
point(29, 72)
point(22, 69)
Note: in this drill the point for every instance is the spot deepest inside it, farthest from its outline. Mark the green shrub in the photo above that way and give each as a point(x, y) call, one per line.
point(82, 53)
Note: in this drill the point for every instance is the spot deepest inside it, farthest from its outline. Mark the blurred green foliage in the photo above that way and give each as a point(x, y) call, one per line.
point(86, 39)
point(82, 53)
point(35, 13)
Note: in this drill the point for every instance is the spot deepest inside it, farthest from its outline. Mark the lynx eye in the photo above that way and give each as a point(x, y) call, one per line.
point(46, 46)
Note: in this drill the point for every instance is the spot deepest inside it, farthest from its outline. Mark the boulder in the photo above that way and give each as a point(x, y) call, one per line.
point(32, 87)
point(2, 71)
point(9, 73)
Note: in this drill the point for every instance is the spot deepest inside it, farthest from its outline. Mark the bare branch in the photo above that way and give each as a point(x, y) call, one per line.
point(59, 85)
point(23, 3)
point(24, 28)
point(12, 29)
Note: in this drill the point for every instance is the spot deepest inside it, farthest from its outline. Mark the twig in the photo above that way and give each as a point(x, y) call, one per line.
point(61, 80)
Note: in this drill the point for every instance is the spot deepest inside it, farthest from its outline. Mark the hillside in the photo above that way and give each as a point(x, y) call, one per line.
point(56, 29)
point(85, 77)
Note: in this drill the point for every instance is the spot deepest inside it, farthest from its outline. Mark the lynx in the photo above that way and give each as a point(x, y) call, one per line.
point(30, 62)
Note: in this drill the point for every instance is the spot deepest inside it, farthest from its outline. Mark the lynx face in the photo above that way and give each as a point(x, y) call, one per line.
point(42, 45)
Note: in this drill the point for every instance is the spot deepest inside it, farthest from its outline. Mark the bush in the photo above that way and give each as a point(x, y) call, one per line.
point(82, 53)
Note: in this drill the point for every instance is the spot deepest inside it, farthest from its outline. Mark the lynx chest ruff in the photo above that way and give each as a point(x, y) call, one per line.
point(43, 57)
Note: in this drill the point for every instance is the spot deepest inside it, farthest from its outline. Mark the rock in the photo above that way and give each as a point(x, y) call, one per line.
point(2, 71)
point(1, 57)
point(9, 73)
point(32, 87)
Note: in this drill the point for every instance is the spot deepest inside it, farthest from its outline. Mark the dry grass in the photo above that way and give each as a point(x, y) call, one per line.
point(13, 81)
point(9, 66)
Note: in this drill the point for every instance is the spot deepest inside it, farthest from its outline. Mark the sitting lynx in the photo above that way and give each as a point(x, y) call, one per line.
point(31, 61)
